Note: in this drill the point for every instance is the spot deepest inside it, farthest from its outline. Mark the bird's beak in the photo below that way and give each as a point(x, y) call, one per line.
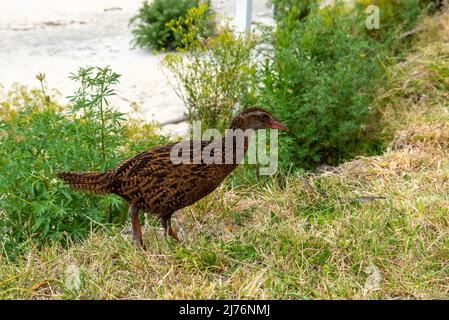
point(274, 124)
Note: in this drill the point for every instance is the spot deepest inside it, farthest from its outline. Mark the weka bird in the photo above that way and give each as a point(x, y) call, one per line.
point(151, 182)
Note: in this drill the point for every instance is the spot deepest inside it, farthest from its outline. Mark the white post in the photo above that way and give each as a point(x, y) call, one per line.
point(243, 15)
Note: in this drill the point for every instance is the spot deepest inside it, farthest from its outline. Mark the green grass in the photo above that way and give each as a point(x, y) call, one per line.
point(289, 242)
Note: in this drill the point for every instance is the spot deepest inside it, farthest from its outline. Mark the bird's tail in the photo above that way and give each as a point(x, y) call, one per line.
point(89, 181)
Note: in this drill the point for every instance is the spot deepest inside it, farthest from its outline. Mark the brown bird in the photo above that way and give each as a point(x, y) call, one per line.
point(151, 182)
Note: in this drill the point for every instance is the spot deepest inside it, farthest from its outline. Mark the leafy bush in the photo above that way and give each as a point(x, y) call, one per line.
point(103, 134)
point(396, 17)
point(284, 8)
point(151, 30)
point(40, 138)
point(320, 82)
point(324, 72)
point(211, 75)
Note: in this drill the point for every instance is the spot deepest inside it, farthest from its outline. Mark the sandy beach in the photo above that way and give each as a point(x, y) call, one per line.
point(56, 37)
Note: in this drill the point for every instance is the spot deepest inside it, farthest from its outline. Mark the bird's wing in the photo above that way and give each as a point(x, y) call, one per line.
point(150, 168)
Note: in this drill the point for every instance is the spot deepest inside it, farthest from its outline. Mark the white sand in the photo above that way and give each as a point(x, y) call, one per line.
point(56, 37)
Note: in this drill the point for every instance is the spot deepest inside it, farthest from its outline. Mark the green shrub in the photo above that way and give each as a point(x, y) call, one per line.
point(396, 17)
point(99, 126)
point(211, 75)
point(151, 30)
point(324, 72)
point(320, 81)
point(40, 138)
point(284, 8)
point(393, 12)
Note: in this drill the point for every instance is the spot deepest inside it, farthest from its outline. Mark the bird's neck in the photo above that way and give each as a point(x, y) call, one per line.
point(238, 137)
point(237, 123)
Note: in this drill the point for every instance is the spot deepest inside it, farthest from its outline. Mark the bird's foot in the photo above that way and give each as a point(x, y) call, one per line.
point(173, 234)
point(139, 243)
point(168, 230)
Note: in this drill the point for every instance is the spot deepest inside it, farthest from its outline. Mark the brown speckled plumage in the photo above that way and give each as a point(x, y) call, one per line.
point(150, 182)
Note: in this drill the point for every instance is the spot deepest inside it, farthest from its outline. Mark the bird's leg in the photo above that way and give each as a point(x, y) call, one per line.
point(166, 223)
point(135, 225)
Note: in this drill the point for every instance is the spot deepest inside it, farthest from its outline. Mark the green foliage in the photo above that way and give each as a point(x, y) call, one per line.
point(396, 17)
point(90, 105)
point(320, 82)
point(323, 75)
point(284, 8)
point(40, 138)
point(394, 13)
point(211, 75)
point(151, 30)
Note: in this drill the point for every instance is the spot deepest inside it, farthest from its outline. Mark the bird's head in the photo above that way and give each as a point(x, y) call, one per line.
point(257, 118)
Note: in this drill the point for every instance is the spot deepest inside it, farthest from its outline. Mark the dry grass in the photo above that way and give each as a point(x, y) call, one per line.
point(268, 241)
